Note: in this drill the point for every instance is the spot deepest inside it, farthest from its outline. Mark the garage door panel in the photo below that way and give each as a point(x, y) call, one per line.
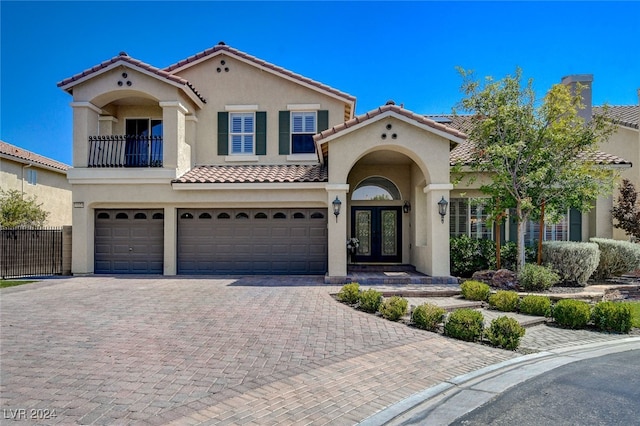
point(252, 241)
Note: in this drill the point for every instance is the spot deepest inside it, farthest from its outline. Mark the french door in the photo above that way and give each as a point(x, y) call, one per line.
point(379, 230)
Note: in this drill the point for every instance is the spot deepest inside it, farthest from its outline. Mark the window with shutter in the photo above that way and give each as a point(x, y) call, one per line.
point(303, 127)
point(241, 133)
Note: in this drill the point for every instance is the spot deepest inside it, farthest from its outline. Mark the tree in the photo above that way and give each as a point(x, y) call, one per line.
point(17, 211)
point(538, 153)
point(627, 211)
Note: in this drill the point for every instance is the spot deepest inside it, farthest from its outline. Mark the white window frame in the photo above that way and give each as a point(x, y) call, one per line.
point(32, 176)
point(478, 220)
point(304, 131)
point(551, 230)
point(243, 133)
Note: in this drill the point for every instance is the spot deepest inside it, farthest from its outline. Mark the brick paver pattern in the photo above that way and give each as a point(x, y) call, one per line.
point(258, 350)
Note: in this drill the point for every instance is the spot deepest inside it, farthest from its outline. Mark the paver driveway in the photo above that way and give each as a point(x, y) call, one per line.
point(258, 350)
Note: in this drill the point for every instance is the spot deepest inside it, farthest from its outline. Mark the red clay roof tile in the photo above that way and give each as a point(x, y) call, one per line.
point(282, 173)
point(24, 156)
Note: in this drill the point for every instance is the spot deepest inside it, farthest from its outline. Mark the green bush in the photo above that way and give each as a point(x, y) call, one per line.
point(349, 293)
point(535, 305)
point(505, 332)
point(574, 262)
point(610, 316)
point(572, 313)
point(537, 277)
point(370, 300)
point(504, 300)
point(509, 255)
point(616, 257)
point(475, 290)
point(468, 255)
point(394, 308)
point(465, 324)
point(428, 316)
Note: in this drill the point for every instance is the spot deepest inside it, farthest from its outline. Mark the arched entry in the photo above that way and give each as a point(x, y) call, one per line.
point(376, 222)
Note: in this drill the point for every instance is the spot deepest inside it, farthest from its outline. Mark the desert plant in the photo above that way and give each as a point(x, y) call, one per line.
point(475, 290)
point(535, 305)
point(428, 316)
point(394, 308)
point(572, 313)
point(537, 277)
point(611, 316)
point(465, 324)
point(349, 293)
point(370, 300)
point(616, 257)
point(627, 210)
point(573, 261)
point(505, 332)
point(504, 300)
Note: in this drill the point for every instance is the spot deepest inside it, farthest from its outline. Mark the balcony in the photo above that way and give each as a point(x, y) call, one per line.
point(125, 151)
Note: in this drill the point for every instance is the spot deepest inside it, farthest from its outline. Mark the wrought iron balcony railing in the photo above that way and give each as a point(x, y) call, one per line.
point(125, 151)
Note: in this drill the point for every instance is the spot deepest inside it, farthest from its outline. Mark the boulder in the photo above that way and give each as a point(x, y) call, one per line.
point(502, 279)
point(483, 276)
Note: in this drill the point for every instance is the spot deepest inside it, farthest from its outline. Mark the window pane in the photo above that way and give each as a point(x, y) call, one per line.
point(310, 123)
point(302, 144)
point(296, 122)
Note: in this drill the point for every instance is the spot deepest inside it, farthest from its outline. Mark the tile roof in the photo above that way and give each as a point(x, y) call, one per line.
point(381, 110)
point(123, 57)
point(24, 156)
point(280, 173)
point(460, 122)
point(221, 47)
point(625, 115)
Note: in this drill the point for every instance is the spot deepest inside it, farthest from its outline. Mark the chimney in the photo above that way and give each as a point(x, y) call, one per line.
point(585, 80)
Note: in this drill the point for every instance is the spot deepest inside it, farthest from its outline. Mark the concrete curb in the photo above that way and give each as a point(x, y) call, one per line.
point(444, 403)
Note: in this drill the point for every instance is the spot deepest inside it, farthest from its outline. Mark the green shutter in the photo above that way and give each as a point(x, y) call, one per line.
point(284, 123)
point(323, 120)
point(223, 133)
point(575, 225)
point(261, 133)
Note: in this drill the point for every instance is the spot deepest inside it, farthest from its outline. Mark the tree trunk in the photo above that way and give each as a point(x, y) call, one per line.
point(541, 234)
point(522, 226)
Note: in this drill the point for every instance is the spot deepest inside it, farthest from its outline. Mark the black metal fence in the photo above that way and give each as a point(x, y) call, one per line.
point(30, 252)
point(125, 151)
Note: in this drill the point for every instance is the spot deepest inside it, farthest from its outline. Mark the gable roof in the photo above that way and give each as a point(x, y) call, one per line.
point(122, 58)
point(624, 115)
point(256, 173)
point(24, 156)
point(222, 48)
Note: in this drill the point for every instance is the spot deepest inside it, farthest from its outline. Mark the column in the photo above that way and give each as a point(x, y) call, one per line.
point(85, 124)
point(176, 153)
point(170, 241)
point(437, 228)
point(337, 231)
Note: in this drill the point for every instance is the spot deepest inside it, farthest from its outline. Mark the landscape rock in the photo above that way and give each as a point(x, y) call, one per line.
point(502, 279)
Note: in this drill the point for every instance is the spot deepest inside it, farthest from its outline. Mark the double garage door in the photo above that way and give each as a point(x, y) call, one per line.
point(213, 241)
point(252, 241)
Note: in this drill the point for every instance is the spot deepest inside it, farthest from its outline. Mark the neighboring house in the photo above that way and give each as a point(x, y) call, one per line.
point(225, 164)
point(34, 175)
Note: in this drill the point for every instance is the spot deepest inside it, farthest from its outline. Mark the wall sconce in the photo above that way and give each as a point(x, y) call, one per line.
point(406, 207)
point(442, 208)
point(336, 207)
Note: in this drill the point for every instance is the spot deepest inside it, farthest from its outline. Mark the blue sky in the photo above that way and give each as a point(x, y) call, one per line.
point(405, 51)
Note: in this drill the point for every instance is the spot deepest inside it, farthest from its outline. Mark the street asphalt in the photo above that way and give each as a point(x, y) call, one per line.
point(243, 350)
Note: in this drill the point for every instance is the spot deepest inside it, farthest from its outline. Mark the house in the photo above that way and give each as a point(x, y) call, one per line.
point(35, 175)
point(223, 163)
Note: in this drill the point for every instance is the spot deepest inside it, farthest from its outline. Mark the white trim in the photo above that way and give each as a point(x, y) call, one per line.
point(174, 104)
point(238, 158)
point(247, 186)
point(98, 176)
point(437, 187)
point(241, 108)
point(337, 187)
point(89, 105)
point(302, 157)
point(110, 118)
point(303, 107)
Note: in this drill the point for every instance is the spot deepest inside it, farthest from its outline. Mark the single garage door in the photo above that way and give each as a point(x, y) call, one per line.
point(129, 241)
point(252, 241)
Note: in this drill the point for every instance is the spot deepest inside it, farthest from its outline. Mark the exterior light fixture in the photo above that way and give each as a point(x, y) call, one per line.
point(406, 207)
point(442, 208)
point(336, 207)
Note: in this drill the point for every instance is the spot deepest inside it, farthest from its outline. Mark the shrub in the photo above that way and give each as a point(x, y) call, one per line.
point(465, 324)
point(535, 305)
point(574, 262)
point(610, 316)
point(537, 278)
point(475, 290)
point(468, 255)
point(349, 293)
point(504, 300)
point(428, 316)
point(394, 308)
point(509, 255)
point(571, 313)
point(370, 300)
point(505, 332)
point(616, 257)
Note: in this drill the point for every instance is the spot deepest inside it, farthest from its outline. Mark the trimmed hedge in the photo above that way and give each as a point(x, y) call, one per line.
point(616, 257)
point(349, 293)
point(370, 300)
point(504, 300)
point(573, 261)
point(612, 317)
point(394, 308)
point(465, 324)
point(505, 332)
point(475, 290)
point(537, 277)
point(572, 313)
point(428, 316)
point(535, 305)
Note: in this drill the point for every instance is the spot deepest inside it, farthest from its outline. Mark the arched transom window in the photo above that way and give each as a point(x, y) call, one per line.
point(376, 188)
